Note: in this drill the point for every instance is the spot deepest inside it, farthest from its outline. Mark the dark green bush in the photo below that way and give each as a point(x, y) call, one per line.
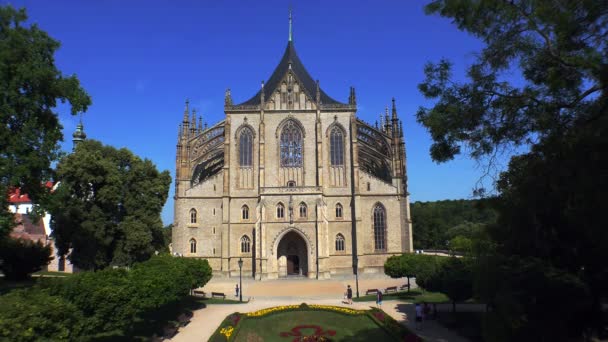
point(34, 315)
point(19, 258)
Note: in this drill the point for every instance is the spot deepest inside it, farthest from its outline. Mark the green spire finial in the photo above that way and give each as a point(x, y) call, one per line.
point(290, 24)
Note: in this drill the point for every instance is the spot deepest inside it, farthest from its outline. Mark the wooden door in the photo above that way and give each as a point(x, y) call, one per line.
point(293, 264)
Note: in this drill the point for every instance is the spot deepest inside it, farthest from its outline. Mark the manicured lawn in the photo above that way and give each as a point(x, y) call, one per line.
point(349, 328)
point(414, 296)
point(209, 301)
point(51, 273)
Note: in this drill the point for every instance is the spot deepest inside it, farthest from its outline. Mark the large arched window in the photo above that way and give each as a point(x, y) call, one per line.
point(339, 242)
point(245, 212)
point(192, 215)
point(246, 147)
point(336, 147)
point(291, 145)
point(339, 210)
point(303, 210)
point(379, 227)
point(192, 246)
point(280, 210)
point(245, 244)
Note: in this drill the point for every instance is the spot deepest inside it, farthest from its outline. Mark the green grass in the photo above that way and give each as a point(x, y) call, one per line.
point(414, 296)
point(347, 328)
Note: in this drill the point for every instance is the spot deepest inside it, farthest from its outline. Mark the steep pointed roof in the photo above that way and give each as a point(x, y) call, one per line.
point(290, 60)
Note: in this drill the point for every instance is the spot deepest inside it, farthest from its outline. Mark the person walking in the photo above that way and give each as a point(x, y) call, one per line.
point(237, 290)
point(349, 295)
point(379, 298)
point(418, 316)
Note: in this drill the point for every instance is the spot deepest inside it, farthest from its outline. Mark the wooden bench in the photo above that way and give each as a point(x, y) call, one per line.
point(199, 293)
point(390, 289)
point(218, 294)
point(371, 291)
point(404, 286)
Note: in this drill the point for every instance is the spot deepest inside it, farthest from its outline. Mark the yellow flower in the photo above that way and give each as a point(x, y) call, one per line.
point(227, 331)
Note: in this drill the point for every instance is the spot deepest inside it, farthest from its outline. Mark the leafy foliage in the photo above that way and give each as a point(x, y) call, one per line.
point(435, 223)
point(107, 207)
point(20, 258)
point(30, 88)
point(34, 315)
point(111, 302)
point(543, 269)
point(454, 278)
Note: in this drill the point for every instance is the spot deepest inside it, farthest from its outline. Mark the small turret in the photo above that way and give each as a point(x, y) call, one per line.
point(352, 98)
point(228, 98)
point(200, 124)
point(193, 122)
point(387, 122)
point(318, 93)
point(78, 135)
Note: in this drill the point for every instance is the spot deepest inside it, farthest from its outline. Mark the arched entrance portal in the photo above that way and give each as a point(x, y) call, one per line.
point(292, 255)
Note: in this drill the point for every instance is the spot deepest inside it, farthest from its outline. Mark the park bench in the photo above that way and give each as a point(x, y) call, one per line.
point(199, 293)
point(371, 291)
point(404, 286)
point(218, 294)
point(390, 289)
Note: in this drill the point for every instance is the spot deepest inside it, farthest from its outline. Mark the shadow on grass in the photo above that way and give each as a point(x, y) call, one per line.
point(415, 296)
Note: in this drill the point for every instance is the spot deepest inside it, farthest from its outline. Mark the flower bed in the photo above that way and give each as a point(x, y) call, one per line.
point(304, 327)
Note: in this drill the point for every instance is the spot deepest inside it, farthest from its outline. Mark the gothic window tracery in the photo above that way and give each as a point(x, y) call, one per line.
point(291, 145)
point(338, 210)
point(245, 244)
point(280, 210)
point(303, 210)
point(245, 212)
point(379, 227)
point(246, 147)
point(339, 242)
point(336, 147)
point(192, 215)
point(192, 246)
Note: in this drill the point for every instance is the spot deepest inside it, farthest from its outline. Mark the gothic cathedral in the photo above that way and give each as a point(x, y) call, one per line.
point(292, 183)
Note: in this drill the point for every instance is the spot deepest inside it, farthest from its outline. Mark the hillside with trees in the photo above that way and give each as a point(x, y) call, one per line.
point(436, 223)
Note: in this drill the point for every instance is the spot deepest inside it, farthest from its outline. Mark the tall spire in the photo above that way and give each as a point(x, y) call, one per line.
point(78, 135)
point(290, 26)
point(186, 111)
point(394, 110)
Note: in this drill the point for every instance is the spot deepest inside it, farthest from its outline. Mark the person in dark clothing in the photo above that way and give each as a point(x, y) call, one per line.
point(349, 295)
point(379, 298)
point(237, 290)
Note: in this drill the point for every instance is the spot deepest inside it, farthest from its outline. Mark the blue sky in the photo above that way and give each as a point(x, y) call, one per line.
point(140, 60)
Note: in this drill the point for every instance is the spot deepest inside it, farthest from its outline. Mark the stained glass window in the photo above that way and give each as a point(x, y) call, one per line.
point(291, 145)
point(379, 227)
point(339, 242)
point(246, 147)
point(336, 147)
point(245, 244)
point(192, 246)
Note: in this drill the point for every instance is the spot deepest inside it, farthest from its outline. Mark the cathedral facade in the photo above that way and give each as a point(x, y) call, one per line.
point(292, 183)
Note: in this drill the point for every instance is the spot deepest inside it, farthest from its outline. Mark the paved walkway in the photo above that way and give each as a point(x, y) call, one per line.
point(284, 292)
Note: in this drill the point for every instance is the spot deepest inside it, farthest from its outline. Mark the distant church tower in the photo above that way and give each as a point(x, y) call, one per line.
point(78, 135)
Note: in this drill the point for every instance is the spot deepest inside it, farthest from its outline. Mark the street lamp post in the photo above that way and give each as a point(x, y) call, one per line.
point(357, 275)
point(241, 279)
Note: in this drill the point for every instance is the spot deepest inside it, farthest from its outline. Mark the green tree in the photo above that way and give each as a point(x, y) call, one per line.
point(30, 88)
point(20, 257)
point(405, 265)
point(542, 81)
point(453, 277)
point(106, 210)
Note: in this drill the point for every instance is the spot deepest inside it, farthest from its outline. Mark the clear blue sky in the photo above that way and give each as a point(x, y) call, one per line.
point(140, 60)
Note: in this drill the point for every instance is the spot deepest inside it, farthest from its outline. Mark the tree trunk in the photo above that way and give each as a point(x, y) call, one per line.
point(408, 284)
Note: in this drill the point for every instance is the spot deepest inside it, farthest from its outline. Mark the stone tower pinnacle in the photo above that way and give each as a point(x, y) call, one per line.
point(78, 135)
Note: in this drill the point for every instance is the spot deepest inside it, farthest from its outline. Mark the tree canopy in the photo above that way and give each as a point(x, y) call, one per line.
point(106, 209)
point(30, 88)
point(542, 81)
point(436, 223)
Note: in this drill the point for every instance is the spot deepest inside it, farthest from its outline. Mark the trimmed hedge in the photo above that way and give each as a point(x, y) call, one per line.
point(112, 302)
